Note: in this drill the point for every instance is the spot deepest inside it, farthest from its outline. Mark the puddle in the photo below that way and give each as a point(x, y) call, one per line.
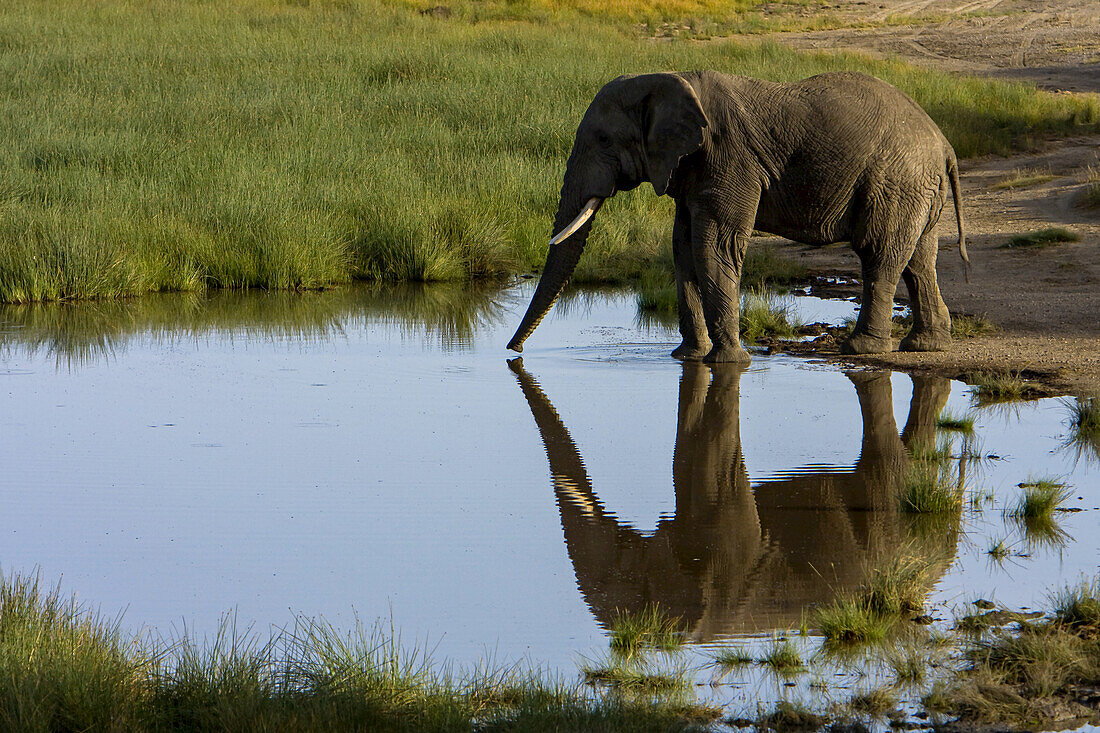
point(371, 453)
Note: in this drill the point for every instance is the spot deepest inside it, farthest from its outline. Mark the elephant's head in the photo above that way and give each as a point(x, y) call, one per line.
point(636, 129)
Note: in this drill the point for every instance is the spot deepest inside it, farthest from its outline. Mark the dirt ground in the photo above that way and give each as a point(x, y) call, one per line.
point(1045, 302)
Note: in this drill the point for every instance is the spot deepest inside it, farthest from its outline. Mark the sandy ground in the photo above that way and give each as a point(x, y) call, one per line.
point(1045, 302)
point(1053, 44)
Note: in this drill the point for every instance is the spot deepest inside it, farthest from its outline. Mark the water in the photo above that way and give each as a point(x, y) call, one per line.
point(371, 453)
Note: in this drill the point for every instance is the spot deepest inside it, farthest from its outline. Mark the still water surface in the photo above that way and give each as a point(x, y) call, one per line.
point(371, 453)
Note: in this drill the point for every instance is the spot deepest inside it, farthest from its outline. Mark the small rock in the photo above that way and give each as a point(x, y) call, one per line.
point(924, 619)
point(984, 604)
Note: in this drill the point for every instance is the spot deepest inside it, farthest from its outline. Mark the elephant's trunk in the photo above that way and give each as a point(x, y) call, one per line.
point(571, 233)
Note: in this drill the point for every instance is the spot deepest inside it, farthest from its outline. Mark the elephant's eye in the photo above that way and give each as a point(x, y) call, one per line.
point(603, 139)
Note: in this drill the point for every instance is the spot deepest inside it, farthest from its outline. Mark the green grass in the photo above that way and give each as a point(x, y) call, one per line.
point(1041, 238)
point(968, 327)
point(1040, 499)
point(893, 591)
point(153, 146)
point(951, 422)
point(1084, 423)
point(1023, 178)
point(631, 676)
point(649, 628)
point(64, 668)
point(994, 388)
point(766, 315)
point(931, 488)
point(732, 658)
point(782, 657)
point(1078, 606)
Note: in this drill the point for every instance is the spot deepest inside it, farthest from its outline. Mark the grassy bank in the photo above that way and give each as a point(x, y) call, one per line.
point(150, 145)
point(62, 668)
point(65, 668)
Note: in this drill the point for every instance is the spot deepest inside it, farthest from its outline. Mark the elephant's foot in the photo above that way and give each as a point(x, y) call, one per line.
point(862, 343)
point(727, 355)
point(688, 351)
point(926, 341)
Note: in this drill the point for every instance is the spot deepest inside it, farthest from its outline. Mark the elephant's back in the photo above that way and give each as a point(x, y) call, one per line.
point(852, 104)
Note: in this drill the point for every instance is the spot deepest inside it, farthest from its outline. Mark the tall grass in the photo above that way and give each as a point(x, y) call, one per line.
point(893, 590)
point(1084, 423)
point(64, 669)
point(148, 146)
point(648, 628)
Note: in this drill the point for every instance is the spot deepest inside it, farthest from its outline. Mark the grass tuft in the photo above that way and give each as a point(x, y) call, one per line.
point(968, 327)
point(994, 388)
point(931, 487)
point(732, 658)
point(633, 677)
point(1091, 179)
point(955, 423)
point(1041, 238)
point(1078, 607)
point(999, 550)
point(877, 702)
point(1023, 178)
point(1040, 499)
point(893, 591)
point(649, 628)
point(791, 716)
point(1084, 423)
point(782, 657)
point(766, 315)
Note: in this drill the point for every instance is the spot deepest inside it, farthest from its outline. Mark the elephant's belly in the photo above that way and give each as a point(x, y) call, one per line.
point(824, 228)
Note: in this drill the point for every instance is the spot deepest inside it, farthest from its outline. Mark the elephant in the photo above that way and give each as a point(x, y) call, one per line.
point(738, 558)
point(837, 157)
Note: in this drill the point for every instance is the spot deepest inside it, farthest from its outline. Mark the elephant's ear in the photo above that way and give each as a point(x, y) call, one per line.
point(674, 128)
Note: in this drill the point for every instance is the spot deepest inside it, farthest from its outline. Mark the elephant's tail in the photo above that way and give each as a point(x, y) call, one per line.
point(953, 174)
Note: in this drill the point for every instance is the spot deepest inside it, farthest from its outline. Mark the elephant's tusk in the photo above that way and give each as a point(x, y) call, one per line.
point(585, 215)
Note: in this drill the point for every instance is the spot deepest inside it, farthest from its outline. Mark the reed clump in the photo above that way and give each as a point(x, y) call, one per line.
point(893, 591)
point(782, 657)
point(950, 422)
point(648, 628)
point(931, 487)
point(1084, 424)
point(990, 388)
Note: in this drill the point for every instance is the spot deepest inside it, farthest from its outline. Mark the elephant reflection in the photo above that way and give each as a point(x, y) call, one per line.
point(733, 558)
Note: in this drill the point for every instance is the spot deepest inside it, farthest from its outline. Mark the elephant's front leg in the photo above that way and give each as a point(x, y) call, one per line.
point(719, 250)
point(693, 327)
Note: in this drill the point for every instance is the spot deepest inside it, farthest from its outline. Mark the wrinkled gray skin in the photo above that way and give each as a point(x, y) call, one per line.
point(837, 157)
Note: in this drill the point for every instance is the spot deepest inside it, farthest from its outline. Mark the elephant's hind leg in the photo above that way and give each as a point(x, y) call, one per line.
point(871, 334)
point(884, 246)
point(931, 321)
point(693, 326)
